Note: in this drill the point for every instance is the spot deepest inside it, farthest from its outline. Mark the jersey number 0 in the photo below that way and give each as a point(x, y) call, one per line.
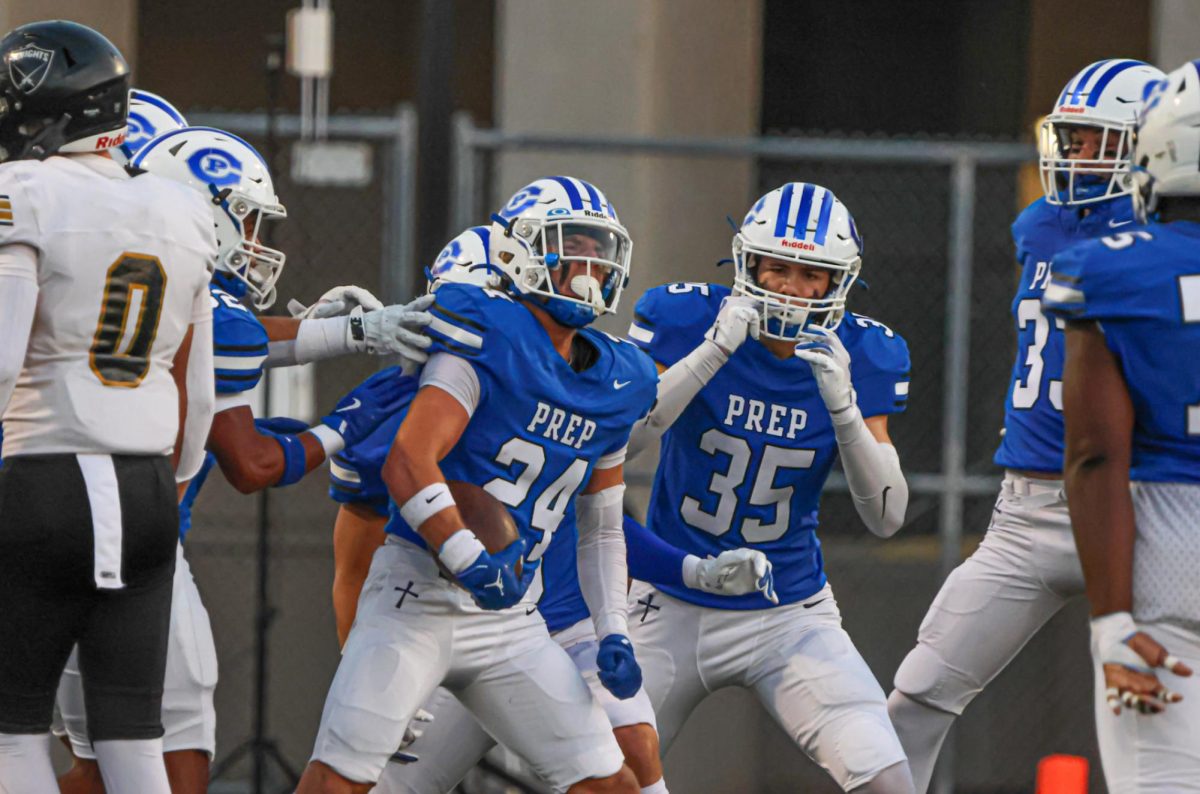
point(129, 315)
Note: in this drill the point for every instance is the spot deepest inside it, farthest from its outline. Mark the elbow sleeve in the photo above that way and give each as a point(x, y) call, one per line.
point(873, 472)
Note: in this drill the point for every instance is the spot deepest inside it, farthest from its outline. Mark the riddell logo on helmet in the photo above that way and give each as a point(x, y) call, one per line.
point(800, 244)
point(110, 141)
point(1068, 109)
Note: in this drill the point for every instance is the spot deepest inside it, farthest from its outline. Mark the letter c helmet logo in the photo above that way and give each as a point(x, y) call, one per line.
point(215, 166)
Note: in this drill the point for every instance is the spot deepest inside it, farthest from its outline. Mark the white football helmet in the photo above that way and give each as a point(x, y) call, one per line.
point(552, 223)
point(149, 116)
point(1166, 148)
point(1106, 96)
point(464, 260)
point(803, 223)
point(236, 179)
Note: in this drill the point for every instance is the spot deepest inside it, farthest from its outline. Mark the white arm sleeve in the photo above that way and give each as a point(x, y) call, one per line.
point(315, 340)
point(18, 303)
point(201, 401)
point(677, 386)
point(600, 556)
point(873, 473)
point(454, 376)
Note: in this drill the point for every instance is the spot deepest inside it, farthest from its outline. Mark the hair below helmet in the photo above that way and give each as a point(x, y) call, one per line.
point(1166, 151)
point(235, 178)
point(1104, 97)
point(802, 224)
point(562, 224)
point(63, 88)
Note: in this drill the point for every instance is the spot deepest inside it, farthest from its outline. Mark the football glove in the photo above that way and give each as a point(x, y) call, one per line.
point(738, 319)
point(366, 406)
point(618, 669)
point(734, 572)
point(830, 364)
point(492, 579)
point(395, 330)
point(335, 303)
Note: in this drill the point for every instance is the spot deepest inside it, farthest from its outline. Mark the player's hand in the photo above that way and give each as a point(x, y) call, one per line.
point(492, 579)
point(830, 364)
point(734, 572)
point(738, 319)
point(618, 669)
point(1129, 657)
point(413, 732)
point(335, 303)
point(366, 406)
point(396, 330)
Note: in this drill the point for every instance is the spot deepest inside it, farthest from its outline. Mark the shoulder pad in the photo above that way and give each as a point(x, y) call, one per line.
point(879, 364)
point(463, 314)
point(1029, 224)
point(670, 320)
point(240, 344)
point(1091, 281)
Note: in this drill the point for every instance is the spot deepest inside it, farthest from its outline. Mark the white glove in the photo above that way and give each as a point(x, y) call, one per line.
point(411, 734)
point(735, 572)
point(335, 303)
point(1129, 673)
point(830, 364)
point(394, 329)
point(737, 319)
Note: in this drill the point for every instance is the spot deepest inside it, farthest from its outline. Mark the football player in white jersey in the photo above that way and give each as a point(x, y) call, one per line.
point(103, 293)
point(215, 163)
point(1026, 569)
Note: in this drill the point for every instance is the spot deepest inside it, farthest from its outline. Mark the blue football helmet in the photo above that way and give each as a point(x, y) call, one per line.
point(805, 224)
point(1105, 96)
point(551, 224)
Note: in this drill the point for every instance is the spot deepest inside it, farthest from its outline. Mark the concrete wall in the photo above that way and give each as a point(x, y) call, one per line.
point(1175, 32)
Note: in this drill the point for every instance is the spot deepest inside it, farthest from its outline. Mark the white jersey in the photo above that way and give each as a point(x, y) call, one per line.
point(123, 265)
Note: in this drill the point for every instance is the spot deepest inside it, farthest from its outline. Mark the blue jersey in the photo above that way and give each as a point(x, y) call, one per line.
point(1033, 423)
point(745, 463)
point(239, 343)
point(356, 473)
point(1143, 287)
point(539, 426)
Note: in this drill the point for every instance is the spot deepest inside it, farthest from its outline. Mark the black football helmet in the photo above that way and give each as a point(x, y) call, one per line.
point(63, 88)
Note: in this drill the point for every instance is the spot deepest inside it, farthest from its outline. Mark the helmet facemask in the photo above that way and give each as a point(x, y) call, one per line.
point(552, 248)
point(1069, 181)
point(786, 317)
point(240, 252)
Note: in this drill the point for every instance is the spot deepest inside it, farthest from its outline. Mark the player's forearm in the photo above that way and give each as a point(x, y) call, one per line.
point(872, 468)
point(678, 385)
point(1102, 520)
point(305, 341)
point(601, 559)
point(652, 559)
point(409, 472)
point(252, 460)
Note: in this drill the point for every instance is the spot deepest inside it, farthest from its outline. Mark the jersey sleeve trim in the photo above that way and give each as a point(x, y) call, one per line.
point(452, 331)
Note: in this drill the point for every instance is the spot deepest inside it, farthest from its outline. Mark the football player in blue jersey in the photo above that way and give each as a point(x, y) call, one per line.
point(1026, 569)
point(521, 398)
point(252, 456)
point(744, 464)
point(1131, 400)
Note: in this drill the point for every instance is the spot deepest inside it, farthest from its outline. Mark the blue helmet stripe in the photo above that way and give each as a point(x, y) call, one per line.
point(485, 237)
point(800, 229)
point(1106, 78)
point(785, 206)
point(593, 196)
point(572, 191)
point(1083, 80)
point(823, 221)
point(160, 103)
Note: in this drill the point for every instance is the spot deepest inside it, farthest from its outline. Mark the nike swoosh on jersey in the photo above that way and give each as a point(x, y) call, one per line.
point(619, 385)
point(1114, 224)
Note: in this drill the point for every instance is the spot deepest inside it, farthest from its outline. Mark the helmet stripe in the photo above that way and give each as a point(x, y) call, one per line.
point(158, 102)
point(572, 191)
point(785, 206)
point(593, 196)
point(800, 228)
point(1106, 78)
point(823, 221)
point(1083, 79)
point(484, 234)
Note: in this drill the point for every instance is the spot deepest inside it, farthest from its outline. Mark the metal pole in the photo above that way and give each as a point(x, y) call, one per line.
point(464, 199)
point(398, 271)
point(954, 386)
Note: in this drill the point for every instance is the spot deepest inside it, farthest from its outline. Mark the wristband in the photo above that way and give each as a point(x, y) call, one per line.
point(331, 440)
point(691, 571)
point(460, 550)
point(325, 338)
point(426, 502)
point(1112, 629)
point(295, 463)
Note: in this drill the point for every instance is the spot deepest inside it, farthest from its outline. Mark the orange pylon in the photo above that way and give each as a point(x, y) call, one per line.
point(1062, 774)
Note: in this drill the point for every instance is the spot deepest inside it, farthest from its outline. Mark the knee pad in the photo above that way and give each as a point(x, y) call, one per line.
point(866, 746)
point(926, 678)
point(896, 779)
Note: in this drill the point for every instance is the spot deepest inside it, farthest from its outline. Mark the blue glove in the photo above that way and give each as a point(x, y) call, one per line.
point(619, 671)
point(492, 579)
point(368, 405)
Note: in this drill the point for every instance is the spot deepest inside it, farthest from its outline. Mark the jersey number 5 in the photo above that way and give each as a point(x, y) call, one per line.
point(129, 315)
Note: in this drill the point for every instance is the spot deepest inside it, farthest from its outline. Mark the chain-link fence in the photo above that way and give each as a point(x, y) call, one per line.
point(939, 265)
